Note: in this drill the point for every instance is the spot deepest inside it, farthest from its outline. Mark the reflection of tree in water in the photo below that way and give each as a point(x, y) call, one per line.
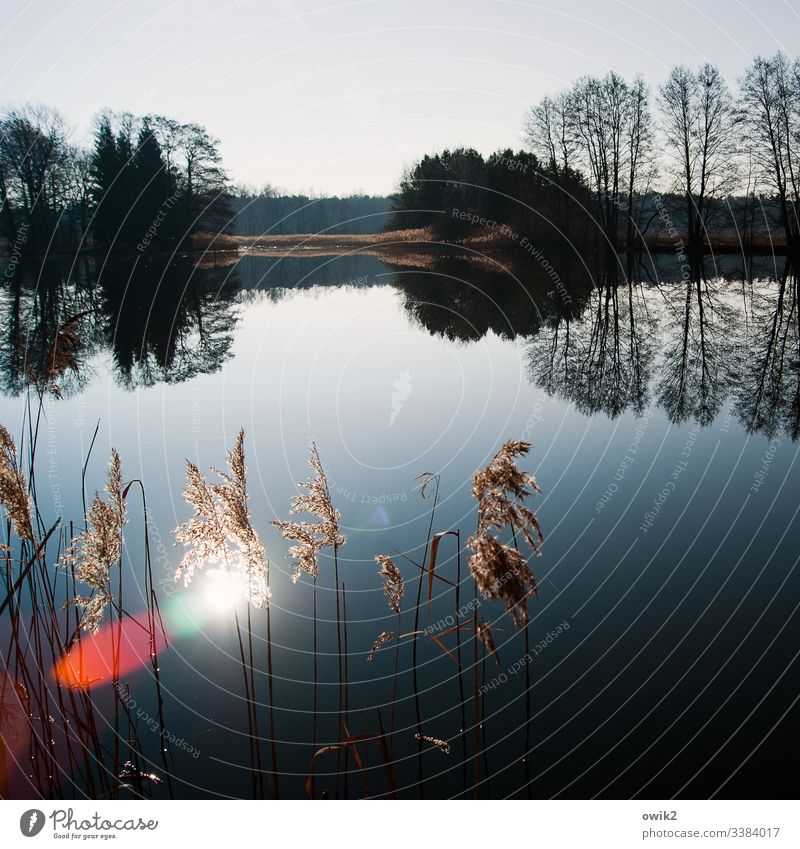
point(600, 357)
point(768, 396)
point(698, 344)
point(595, 345)
point(49, 329)
point(163, 322)
point(167, 322)
point(462, 300)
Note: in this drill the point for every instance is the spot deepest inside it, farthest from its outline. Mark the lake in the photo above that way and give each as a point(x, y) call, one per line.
point(663, 411)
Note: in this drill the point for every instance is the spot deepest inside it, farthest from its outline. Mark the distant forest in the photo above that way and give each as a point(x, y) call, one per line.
point(694, 165)
point(270, 212)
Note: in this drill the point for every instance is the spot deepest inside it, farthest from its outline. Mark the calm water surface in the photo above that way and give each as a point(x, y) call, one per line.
point(664, 420)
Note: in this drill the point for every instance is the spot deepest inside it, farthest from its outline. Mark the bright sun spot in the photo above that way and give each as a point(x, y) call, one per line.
point(222, 590)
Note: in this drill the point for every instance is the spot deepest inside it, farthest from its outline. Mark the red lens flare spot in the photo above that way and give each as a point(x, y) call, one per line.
point(92, 660)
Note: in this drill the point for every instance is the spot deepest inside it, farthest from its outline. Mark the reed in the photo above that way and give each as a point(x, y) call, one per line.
point(310, 538)
point(346, 718)
point(68, 744)
point(221, 533)
point(393, 589)
point(426, 478)
point(476, 703)
point(461, 690)
point(442, 745)
point(275, 788)
point(155, 626)
point(500, 570)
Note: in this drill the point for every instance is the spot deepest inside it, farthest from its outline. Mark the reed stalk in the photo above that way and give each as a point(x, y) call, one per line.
point(340, 730)
point(476, 709)
point(275, 789)
point(461, 690)
point(345, 721)
point(309, 539)
point(527, 753)
point(315, 701)
point(426, 479)
point(221, 532)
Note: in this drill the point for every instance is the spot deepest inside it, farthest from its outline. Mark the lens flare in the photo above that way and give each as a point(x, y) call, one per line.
point(222, 590)
point(92, 660)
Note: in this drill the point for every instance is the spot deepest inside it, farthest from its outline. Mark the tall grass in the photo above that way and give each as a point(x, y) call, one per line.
point(45, 689)
point(221, 534)
point(310, 539)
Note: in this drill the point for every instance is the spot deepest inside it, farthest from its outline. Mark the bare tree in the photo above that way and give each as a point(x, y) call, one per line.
point(550, 134)
point(601, 115)
point(75, 174)
point(697, 120)
point(770, 116)
point(33, 150)
point(642, 168)
point(602, 126)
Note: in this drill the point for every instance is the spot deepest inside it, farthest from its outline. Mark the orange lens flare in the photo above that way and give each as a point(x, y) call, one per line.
point(127, 647)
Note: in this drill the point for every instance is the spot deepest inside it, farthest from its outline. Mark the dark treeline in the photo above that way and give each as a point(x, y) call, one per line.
point(268, 211)
point(619, 166)
point(458, 194)
point(145, 183)
point(693, 165)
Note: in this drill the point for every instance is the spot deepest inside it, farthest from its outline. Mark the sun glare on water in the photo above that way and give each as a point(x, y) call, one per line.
point(223, 591)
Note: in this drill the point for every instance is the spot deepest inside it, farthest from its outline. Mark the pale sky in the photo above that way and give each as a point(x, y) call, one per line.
point(337, 97)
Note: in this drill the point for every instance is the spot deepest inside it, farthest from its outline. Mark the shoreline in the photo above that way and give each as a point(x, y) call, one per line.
point(399, 243)
point(422, 240)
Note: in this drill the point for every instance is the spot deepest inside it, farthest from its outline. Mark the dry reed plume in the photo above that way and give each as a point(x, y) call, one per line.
point(442, 745)
point(392, 581)
point(499, 569)
point(13, 489)
point(383, 638)
point(485, 633)
point(221, 531)
point(62, 722)
point(311, 537)
point(98, 548)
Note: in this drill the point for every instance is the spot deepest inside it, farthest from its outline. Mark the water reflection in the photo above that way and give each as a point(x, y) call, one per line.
point(768, 397)
point(699, 345)
point(602, 358)
point(162, 320)
point(484, 341)
point(166, 324)
point(604, 340)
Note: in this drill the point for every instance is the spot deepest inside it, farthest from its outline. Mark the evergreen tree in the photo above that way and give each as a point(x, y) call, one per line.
point(105, 169)
point(154, 186)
